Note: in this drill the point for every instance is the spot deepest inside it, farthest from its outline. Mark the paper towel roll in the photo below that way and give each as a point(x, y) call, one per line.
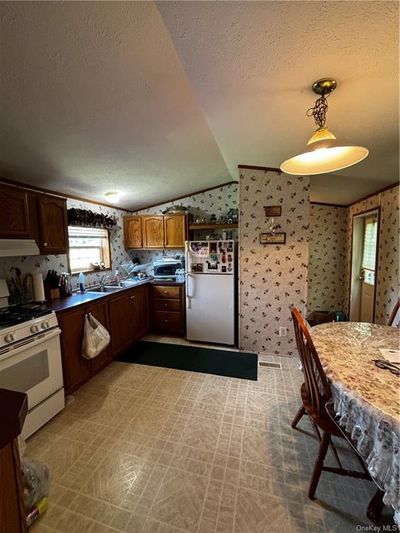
point(38, 287)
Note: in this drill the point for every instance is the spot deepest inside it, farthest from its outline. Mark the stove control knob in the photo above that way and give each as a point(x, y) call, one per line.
point(45, 325)
point(34, 328)
point(9, 338)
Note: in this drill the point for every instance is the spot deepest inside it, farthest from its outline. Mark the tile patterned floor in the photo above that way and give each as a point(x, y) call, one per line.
point(152, 450)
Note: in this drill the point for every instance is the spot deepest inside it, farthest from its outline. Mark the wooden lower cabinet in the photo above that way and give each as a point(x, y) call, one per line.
point(76, 369)
point(129, 317)
point(141, 319)
point(126, 317)
point(121, 318)
point(168, 309)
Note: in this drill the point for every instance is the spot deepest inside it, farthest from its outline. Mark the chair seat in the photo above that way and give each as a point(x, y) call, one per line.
point(323, 421)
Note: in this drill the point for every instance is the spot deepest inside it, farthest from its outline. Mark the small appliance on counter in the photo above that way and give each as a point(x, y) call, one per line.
point(210, 291)
point(166, 268)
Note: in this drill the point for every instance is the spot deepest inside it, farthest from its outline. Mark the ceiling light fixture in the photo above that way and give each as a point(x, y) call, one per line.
point(112, 197)
point(324, 153)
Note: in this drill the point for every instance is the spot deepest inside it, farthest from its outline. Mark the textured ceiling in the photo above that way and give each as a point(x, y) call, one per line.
point(252, 65)
point(157, 101)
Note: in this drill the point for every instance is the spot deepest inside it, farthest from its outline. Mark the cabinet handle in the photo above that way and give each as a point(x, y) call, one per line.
point(45, 244)
point(132, 297)
point(166, 305)
point(165, 320)
point(165, 292)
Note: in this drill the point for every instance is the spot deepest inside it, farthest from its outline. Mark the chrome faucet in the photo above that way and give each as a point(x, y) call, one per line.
point(103, 280)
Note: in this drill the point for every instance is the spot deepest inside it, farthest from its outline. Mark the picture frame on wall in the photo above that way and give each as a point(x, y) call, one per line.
point(273, 210)
point(273, 238)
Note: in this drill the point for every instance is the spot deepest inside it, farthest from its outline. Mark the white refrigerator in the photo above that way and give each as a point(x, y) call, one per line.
point(210, 291)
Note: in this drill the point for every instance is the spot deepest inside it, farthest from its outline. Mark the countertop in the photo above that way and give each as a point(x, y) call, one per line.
point(13, 410)
point(77, 298)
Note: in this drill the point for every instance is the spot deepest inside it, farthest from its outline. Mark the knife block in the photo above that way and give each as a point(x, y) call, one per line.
point(51, 293)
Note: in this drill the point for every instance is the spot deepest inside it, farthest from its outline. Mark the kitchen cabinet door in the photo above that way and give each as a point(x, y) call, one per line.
point(174, 231)
point(15, 222)
point(100, 312)
point(140, 302)
point(53, 225)
point(121, 321)
point(76, 369)
point(153, 231)
point(133, 232)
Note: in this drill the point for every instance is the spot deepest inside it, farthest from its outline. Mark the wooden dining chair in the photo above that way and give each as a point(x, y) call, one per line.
point(393, 314)
point(315, 394)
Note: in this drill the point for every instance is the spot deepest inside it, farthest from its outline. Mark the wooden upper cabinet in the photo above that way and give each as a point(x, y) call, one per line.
point(174, 231)
point(133, 232)
point(15, 220)
point(153, 231)
point(53, 225)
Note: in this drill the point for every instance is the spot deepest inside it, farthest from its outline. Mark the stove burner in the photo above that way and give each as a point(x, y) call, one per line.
point(11, 316)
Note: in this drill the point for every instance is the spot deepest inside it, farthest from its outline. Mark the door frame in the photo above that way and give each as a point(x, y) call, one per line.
point(364, 214)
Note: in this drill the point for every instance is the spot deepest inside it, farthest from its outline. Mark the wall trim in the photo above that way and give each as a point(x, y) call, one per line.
point(185, 196)
point(329, 205)
point(34, 188)
point(255, 167)
point(387, 188)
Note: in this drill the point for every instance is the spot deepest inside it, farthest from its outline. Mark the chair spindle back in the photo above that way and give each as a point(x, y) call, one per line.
point(317, 386)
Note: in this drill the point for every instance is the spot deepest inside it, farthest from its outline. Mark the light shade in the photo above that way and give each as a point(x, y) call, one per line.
point(112, 197)
point(323, 155)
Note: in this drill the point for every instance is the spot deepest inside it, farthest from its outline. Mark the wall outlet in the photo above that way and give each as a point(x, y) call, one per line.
point(282, 331)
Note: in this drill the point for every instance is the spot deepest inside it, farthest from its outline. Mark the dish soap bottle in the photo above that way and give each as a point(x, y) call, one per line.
point(81, 280)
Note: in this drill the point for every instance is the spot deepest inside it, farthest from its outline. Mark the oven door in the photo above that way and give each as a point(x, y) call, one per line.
point(33, 366)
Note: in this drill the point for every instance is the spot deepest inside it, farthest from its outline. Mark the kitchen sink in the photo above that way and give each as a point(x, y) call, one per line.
point(106, 288)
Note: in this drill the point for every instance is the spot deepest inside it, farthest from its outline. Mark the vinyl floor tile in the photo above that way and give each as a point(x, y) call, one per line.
point(142, 449)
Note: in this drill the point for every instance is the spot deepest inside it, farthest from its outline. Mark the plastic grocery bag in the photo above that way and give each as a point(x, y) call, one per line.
point(35, 482)
point(95, 337)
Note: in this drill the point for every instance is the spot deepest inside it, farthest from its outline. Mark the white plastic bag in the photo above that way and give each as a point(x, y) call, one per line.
point(95, 337)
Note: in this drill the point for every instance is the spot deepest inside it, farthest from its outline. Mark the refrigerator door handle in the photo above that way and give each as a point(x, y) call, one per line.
point(189, 290)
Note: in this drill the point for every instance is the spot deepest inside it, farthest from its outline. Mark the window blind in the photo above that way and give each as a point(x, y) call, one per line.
point(88, 247)
point(369, 250)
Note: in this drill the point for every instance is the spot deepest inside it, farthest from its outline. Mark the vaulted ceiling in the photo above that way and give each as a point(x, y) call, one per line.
point(160, 100)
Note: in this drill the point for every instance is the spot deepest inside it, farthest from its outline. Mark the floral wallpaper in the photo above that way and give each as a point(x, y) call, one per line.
point(387, 279)
point(215, 202)
point(43, 263)
point(272, 277)
point(388, 286)
point(326, 272)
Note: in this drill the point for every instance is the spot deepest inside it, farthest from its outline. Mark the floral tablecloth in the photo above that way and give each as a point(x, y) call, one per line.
point(366, 398)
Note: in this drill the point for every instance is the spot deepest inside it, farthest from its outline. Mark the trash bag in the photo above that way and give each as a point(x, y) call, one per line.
point(35, 482)
point(95, 337)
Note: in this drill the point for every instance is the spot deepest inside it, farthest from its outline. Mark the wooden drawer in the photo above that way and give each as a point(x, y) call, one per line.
point(168, 322)
point(166, 304)
point(165, 291)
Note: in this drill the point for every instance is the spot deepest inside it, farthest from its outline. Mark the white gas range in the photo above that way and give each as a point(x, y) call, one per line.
point(30, 361)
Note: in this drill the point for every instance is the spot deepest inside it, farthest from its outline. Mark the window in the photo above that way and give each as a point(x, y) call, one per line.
point(369, 250)
point(88, 248)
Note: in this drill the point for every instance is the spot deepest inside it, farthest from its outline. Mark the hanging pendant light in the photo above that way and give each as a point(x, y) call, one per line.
point(324, 153)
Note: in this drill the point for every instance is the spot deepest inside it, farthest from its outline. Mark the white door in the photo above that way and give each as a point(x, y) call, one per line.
point(210, 308)
point(363, 265)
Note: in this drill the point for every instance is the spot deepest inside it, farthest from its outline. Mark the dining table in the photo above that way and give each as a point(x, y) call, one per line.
point(366, 398)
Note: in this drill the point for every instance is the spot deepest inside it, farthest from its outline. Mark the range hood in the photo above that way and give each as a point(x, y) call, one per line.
point(18, 247)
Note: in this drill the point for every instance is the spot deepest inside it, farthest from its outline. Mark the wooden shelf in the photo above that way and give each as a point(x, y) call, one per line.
point(213, 226)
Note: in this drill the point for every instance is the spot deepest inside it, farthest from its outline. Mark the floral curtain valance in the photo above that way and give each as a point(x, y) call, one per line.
point(89, 219)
